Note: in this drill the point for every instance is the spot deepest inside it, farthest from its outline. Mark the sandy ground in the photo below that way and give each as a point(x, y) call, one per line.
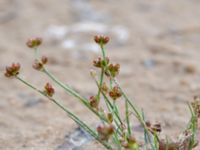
point(157, 44)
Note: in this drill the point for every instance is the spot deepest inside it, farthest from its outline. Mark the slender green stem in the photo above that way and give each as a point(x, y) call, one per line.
point(29, 85)
point(127, 118)
point(81, 123)
point(102, 71)
point(103, 51)
point(192, 125)
point(167, 144)
point(115, 110)
point(100, 84)
point(116, 139)
point(70, 114)
point(139, 117)
point(124, 95)
point(36, 53)
point(66, 87)
point(110, 107)
point(155, 141)
point(111, 84)
point(70, 91)
point(147, 136)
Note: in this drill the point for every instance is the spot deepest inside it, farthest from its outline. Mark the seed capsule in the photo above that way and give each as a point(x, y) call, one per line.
point(12, 70)
point(34, 42)
point(100, 39)
point(49, 90)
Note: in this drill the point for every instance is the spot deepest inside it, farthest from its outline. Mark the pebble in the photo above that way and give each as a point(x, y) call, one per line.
point(75, 140)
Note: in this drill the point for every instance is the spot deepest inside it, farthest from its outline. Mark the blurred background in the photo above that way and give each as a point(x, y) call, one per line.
point(156, 42)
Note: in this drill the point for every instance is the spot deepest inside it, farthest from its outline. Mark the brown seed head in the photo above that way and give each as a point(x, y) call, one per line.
point(113, 70)
point(115, 93)
point(99, 63)
point(39, 64)
point(34, 42)
point(12, 70)
point(100, 39)
point(93, 102)
point(153, 127)
point(49, 90)
point(105, 131)
point(156, 127)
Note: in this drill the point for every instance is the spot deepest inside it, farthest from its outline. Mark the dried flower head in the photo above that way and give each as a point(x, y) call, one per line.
point(99, 63)
point(34, 42)
point(113, 70)
point(12, 70)
point(39, 64)
point(153, 127)
point(93, 101)
point(105, 131)
point(49, 90)
point(156, 127)
point(115, 93)
point(196, 106)
point(100, 39)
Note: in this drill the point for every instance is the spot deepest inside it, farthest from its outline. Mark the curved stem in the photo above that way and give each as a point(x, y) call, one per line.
point(70, 114)
point(72, 92)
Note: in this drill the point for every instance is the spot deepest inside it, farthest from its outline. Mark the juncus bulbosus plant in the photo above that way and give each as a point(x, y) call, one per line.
point(114, 132)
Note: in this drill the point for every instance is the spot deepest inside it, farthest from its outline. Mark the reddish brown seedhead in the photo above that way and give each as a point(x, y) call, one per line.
point(105, 131)
point(49, 90)
point(34, 42)
point(156, 127)
point(100, 39)
point(39, 64)
point(115, 93)
point(113, 70)
point(12, 70)
point(94, 103)
point(99, 63)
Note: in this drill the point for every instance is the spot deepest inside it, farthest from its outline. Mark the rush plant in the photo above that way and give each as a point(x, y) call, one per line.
point(114, 132)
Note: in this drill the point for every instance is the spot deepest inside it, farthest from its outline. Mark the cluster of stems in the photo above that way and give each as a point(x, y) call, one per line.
point(114, 131)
